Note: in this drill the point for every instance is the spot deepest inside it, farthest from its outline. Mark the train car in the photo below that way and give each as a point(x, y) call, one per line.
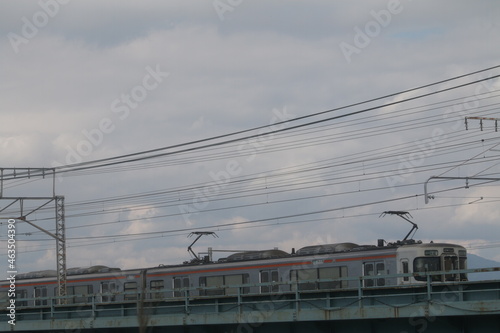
point(317, 267)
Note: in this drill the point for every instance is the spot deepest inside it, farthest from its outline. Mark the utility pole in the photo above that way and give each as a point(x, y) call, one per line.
point(23, 214)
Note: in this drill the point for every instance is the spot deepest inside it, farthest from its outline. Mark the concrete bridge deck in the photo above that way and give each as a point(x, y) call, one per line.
point(433, 307)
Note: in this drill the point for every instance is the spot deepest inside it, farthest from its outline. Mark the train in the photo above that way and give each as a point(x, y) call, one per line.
point(310, 268)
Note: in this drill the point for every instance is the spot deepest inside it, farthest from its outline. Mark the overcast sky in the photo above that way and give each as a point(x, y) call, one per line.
point(86, 80)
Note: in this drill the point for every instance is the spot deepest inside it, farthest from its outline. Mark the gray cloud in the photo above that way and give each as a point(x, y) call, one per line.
point(227, 75)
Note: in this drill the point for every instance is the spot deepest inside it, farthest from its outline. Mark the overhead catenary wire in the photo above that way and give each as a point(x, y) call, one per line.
point(302, 142)
point(240, 193)
point(128, 158)
point(78, 168)
point(157, 164)
point(269, 189)
point(89, 241)
point(369, 161)
point(203, 185)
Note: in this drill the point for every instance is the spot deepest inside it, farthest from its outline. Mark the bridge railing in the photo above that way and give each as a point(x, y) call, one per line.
point(292, 298)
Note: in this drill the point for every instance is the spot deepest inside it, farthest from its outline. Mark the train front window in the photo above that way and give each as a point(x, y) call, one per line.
point(462, 262)
point(427, 264)
point(450, 264)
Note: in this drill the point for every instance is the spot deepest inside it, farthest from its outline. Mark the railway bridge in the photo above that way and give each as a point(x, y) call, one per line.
point(465, 307)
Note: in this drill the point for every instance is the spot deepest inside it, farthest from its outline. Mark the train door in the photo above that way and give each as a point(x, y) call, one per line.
point(269, 275)
point(40, 293)
point(108, 289)
point(374, 268)
point(180, 282)
point(405, 269)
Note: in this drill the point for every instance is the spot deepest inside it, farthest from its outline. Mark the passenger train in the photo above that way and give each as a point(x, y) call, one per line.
point(317, 267)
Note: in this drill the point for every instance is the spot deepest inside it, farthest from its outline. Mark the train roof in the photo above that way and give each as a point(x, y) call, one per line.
point(248, 256)
point(91, 270)
point(326, 248)
point(254, 255)
point(49, 273)
point(432, 244)
point(37, 274)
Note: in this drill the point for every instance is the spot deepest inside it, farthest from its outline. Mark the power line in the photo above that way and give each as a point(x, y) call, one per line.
point(311, 173)
point(78, 167)
point(273, 223)
point(128, 158)
point(271, 187)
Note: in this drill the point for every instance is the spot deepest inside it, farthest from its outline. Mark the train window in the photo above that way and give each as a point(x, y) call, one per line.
point(462, 264)
point(80, 293)
point(220, 280)
point(233, 280)
point(155, 286)
point(214, 281)
point(70, 291)
point(211, 281)
point(450, 263)
point(380, 270)
point(4, 299)
point(130, 289)
point(236, 280)
point(180, 282)
point(369, 271)
point(427, 264)
point(309, 275)
point(108, 287)
point(202, 284)
point(269, 275)
point(40, 292)
point(332, 273)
